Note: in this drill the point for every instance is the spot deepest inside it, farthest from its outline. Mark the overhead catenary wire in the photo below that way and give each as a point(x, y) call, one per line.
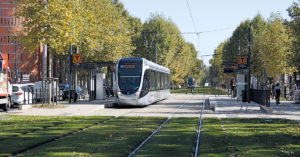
point(190, 13)
point(194, 24)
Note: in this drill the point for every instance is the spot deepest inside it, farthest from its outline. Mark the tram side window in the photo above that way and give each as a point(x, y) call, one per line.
point(163, 80)
point(152, 80)
point(157, 80)
point(146, 84)
point(168, 82)
point(146, 81)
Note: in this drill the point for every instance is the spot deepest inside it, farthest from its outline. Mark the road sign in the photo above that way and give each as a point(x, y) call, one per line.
point(242, 59)
point(25, 78)
point(76, 58)
point(234, 67)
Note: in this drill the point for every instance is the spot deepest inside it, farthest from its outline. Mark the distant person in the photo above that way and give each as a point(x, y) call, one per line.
point(277, 93)
point(233, 85)
point(273, 90)
point(192, 88)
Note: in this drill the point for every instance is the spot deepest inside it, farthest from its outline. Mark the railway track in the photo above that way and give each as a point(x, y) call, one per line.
point(166, 121)
point(199, 130)
point(67, 135)
point(187, 100)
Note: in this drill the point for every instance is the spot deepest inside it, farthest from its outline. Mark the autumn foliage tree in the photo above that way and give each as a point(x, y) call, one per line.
point(97, 27)
point(104, 31)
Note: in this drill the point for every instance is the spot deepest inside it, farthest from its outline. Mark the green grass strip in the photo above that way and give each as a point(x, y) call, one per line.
point(208, 91)
point(22, 132)
point(249, 137)
point(263, 137)
point(176, 138)
point(212, 139)
point(114, 138)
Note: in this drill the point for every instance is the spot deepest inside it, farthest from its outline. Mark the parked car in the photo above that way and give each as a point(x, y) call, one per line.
point(22, 94)
point(31, 85)
point(65, 94)
point(82, 92)
point(40, 89)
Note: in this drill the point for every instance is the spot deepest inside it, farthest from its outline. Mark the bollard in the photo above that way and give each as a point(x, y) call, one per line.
point(28, 97)
point(24, 100)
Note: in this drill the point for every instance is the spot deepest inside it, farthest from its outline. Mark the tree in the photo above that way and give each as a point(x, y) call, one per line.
point(172, 51)
point(258, 25)
point(97, 27)
point(274, 45)
point(294, 13)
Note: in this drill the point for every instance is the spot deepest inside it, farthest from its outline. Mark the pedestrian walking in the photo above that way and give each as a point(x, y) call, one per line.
point(277, 93)
point(192, 88)
point(273, 90)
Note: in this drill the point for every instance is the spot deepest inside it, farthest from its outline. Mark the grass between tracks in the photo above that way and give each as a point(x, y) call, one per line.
point(176, 138)
point(114, 138)
point(219, 137)
point(19, 133)
point(209, 91)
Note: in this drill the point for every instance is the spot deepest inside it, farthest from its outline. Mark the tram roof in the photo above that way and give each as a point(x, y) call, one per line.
point(150, 63)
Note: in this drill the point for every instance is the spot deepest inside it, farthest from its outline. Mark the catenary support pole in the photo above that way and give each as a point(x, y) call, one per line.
point(249, 60)
point(70, 73)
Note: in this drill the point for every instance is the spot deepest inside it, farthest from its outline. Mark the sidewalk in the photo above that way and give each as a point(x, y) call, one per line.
point(81, 108)
point(227, 107)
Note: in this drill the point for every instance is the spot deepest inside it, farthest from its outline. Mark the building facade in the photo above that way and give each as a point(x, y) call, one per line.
point(23, 66)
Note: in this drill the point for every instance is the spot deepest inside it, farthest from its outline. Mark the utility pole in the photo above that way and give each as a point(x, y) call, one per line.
point(249, 60)
point(45, 52)
point(156, 52)
point(70, 72)
point(239, 48)
point(75, 78)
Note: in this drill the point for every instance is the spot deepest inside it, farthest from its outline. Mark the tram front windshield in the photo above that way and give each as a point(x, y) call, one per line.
point(129, 76)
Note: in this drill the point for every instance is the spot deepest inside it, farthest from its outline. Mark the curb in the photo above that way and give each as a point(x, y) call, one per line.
point(208, 105)
point(24, 107)
point(266, 109)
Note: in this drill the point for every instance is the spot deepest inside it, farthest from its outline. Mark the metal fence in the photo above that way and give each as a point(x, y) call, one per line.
point(261, 97)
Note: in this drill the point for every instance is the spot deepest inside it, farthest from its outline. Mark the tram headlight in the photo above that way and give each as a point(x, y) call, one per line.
point(137, 93)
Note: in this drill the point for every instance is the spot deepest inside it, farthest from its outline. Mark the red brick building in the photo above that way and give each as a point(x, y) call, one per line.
point(21, 64)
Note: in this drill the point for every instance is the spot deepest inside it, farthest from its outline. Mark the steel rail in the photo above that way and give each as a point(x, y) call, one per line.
point(157, 129)
point(199, 129)
point(14, 154)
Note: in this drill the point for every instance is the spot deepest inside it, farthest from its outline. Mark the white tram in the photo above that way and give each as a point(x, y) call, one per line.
point(141, 82)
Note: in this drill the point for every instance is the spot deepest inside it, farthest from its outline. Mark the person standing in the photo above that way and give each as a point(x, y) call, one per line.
point(277, 93)
point(232, 85)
